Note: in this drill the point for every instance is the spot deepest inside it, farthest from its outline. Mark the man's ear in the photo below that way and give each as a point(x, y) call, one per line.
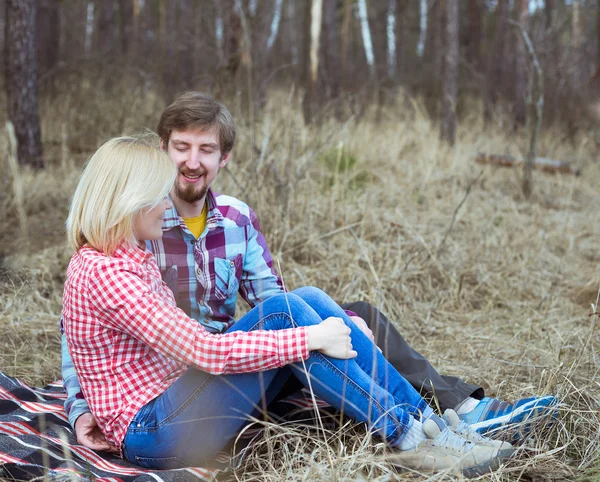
point(163, 146)
point(225, 159)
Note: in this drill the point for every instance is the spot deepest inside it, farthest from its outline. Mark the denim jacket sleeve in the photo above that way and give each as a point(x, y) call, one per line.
point(259, 281)
point(75, 405)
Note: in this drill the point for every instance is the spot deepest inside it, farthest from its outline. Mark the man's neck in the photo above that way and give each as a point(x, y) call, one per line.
point(188, 210)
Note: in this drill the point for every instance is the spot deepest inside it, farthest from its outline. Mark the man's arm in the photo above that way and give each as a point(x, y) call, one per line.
point(75, 405)
point(81, 419)
point(259, 281)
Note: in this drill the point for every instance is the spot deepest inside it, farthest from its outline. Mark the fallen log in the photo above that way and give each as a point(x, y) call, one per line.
point(541, 163)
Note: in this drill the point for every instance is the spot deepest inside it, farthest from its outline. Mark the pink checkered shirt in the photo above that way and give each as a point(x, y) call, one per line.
point(129, 341)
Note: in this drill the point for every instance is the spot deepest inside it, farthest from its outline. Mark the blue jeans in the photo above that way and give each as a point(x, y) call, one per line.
point(200, 413)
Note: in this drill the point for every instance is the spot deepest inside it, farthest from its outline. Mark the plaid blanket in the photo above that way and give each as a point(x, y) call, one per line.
point(36, 440)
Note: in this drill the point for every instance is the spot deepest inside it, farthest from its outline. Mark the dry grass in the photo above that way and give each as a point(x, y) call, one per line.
point(489, 286)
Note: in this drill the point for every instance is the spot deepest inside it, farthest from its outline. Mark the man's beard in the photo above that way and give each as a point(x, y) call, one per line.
point(190, 193)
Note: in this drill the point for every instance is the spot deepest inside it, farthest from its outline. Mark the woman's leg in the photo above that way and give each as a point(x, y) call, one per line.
point(200, 413)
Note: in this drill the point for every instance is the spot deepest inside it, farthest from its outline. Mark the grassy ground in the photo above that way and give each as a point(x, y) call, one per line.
point(489, 286)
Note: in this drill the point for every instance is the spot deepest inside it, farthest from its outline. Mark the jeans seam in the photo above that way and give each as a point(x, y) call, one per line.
point(360, 390)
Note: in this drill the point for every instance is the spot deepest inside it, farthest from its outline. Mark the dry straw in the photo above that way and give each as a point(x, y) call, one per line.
point(487, 285)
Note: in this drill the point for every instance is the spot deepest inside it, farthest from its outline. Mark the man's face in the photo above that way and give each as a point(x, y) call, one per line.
point(198, 157)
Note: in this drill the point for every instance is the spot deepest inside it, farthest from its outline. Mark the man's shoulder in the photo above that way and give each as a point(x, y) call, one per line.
point(234, 210)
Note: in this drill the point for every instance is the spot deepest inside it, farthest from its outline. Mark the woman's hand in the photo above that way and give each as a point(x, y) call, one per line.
point(332, 338)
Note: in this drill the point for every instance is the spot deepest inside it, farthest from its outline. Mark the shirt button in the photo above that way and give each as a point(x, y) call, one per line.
point(198, 271)
point(231, 263)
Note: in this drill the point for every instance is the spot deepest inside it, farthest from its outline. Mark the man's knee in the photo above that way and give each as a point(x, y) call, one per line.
point(310, 294)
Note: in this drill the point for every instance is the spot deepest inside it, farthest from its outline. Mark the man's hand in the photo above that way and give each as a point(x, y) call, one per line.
point(358, 321)
point(89, 434)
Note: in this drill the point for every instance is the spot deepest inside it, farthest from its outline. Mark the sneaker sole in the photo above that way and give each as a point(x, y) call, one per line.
point(529, 410)
point(489, 466)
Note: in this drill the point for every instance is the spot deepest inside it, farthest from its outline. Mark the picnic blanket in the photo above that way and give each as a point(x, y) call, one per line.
point(36, 440)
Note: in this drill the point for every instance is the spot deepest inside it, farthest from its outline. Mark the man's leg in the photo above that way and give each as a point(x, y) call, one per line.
point(488, 416)
point(450, 391)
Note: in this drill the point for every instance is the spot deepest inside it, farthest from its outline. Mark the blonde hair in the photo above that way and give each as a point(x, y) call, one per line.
point(124, 176)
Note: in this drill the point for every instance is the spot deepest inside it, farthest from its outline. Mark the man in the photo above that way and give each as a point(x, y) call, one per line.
point(212, 250)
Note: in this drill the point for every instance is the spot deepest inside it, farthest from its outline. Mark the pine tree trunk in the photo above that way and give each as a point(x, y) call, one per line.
point(332, 48)
point(48, 29)
point(21, 80)
point(474, 42)
point(450, 81)
point(103, 30)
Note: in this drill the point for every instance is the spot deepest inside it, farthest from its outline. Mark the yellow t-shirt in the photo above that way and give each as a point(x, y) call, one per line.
point(196, 225)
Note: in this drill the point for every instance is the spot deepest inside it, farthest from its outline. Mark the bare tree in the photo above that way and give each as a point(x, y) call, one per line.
point(331, 48)
point(345, 40)
point(496, 61)
point(520, 112)
point(474, 33)
point(450, 81)
point(21, 80)
point(103, 30)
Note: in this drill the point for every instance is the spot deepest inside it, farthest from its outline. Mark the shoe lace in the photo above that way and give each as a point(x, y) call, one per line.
point(452, 441)
point(466, 430)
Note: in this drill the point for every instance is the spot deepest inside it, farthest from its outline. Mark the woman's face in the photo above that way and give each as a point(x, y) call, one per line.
point(147, 225)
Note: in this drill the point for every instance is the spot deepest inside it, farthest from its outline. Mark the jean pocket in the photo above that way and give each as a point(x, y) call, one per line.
point(160, 463)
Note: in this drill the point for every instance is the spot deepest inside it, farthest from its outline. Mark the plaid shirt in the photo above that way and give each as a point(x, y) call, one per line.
point(230, 257)
point(129, 342)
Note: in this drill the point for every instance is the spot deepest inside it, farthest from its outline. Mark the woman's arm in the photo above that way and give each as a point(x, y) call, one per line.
point(125, 302)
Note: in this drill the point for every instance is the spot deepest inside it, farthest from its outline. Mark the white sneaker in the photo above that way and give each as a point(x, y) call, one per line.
point(461, 428)
point(445, 450)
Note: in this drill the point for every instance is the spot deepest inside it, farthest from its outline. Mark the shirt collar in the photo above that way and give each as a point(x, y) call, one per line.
point(214, 217)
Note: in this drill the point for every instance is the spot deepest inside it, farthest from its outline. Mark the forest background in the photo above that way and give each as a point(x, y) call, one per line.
point(359, 124)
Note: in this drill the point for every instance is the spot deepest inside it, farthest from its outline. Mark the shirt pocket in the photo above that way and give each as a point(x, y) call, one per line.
point(227, 273)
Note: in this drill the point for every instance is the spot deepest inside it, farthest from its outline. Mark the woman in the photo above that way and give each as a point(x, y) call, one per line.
point(167, 392)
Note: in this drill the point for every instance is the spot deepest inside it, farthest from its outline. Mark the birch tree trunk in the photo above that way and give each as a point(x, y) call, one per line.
point(313, 26)
point(450, 81)
point(274, 29)
point(520, 114)
point(366, 36)
point(21, 80)
point(391, 40)
point(422, 27)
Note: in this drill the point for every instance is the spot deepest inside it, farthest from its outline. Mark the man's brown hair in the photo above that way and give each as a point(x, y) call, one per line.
point(196, 110)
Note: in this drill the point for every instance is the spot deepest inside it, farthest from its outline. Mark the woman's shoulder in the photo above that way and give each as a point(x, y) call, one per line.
point(93, 261)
